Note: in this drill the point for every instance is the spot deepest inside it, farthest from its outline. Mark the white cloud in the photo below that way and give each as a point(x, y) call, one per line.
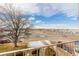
point(70, 9)
point(56, 26)
point(28, 7)
point(45, 9)
point(75, 19)
point(48, 9)
point(38, 21)
point(32, 18)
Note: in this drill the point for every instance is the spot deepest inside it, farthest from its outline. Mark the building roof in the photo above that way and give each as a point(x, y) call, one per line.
point(39, 43)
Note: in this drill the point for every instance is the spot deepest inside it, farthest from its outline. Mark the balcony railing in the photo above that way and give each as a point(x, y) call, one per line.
point(58, 49)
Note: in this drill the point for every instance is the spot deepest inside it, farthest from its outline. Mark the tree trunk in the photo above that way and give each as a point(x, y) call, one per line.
point(15, 43)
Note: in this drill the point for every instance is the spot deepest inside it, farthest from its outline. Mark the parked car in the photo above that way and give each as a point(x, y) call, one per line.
point(2, 41)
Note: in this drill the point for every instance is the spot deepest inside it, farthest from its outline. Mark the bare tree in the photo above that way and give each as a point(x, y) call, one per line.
point(14, 22)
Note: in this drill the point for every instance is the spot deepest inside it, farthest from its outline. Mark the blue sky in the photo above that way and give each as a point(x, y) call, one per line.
point(55, 20)
point(52, 15)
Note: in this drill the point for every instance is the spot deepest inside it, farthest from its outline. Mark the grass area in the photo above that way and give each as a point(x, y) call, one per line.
point(10, 47)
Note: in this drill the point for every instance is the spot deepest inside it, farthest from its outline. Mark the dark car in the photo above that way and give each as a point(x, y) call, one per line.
point(2, 41)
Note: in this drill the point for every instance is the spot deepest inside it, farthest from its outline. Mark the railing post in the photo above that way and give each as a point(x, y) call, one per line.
point(14, 53)
point(73, 45)
point(55, 48)
point(29, 53)
point(23, 53)
point(43, 50)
